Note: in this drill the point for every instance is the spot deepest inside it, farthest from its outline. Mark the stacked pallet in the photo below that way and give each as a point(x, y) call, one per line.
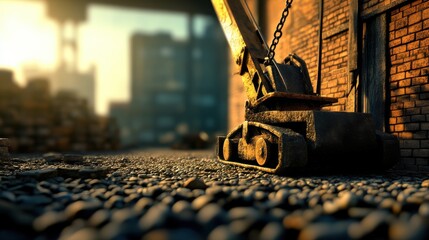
point(35, 121)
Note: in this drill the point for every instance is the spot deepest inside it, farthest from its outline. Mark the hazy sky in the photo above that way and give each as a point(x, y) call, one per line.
point(28, 37)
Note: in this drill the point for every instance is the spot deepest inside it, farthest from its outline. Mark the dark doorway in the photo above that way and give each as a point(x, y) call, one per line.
point(374, 74)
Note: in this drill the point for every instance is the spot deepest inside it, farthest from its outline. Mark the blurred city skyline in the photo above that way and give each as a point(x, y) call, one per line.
point(28, 38)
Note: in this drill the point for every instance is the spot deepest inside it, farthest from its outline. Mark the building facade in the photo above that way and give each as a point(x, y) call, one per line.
point(178, 87)
point(374, 57)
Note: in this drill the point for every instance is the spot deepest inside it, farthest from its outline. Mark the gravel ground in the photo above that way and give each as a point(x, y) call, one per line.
point(164, 194)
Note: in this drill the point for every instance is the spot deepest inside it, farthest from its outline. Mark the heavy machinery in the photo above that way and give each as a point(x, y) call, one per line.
point(285, 129)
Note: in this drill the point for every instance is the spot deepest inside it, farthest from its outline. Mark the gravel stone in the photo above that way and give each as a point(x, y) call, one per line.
point(154, 194)
point(425, 183)
point(39, 174)
point(194, 183)
point(155, 217)
point(82, 209)
point(273, 231)
point(73, 158)
point(325, 231)
point(53, 157)
point(50, 221)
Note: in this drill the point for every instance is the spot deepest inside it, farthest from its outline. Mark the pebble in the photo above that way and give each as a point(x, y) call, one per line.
point(53, 157)
point(73, 158)
point(194, 183)
point(425, 183)
point(82, 209)
point(155, 217)
point(39, 174)
point(156, 197)
point(50, 221)
point(337, 230)
point(273, 231)
point(175, 234)
point(82, 234)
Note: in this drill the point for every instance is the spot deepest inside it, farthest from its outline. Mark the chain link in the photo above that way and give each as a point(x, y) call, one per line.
point(278, 34)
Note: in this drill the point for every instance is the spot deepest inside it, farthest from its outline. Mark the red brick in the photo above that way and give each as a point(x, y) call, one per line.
point(413, 89)
point(398, 92)
point(398, 76)
point(420, 135)
point(409, 143)
point(409, 104)
point(391, 36)
point(410, 11)
point(425, 88)
point(426, 24)
point(413, 45)
point(419, 80)
point(415, 28)
point(396, 113)
point(408, 38)
point(425, 14)
point(423, 34)
point(412, 126)
point(406, 152)
point(410, 58)
point(416, 17)
point(405, 83)
point(421, 63)
point(392, 120)
point(422, 103)
point(421, 152)
point(403, 119)
point(396, 16)
point(404, 55)
point(399, 127)
point(401, 23)
point(392, 26)
point(401, 33)
point(395, 42)
point(412, 73)
point(423, 5)
point(404, 67)
point(418, 118)
point(424, 143)
point(416, 2)
point(406, 135)
point(413, 111)
point(424, 42)
point(396, 106)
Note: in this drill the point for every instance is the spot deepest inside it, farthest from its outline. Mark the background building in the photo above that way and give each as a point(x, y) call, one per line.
point(178, 87)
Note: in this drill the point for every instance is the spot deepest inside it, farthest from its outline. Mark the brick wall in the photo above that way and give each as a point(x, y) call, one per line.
point(409, 58)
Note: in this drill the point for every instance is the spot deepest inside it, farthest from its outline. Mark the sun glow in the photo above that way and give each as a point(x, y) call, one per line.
point(26, 36)
point(29, 38)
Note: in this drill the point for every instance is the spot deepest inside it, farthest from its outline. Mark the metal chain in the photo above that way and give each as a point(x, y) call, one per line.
point(278, 34)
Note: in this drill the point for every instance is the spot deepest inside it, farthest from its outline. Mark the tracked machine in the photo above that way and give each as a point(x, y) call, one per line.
point(285, 129)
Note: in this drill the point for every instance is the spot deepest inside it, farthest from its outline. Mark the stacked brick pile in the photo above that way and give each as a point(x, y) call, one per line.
point(33, 120)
